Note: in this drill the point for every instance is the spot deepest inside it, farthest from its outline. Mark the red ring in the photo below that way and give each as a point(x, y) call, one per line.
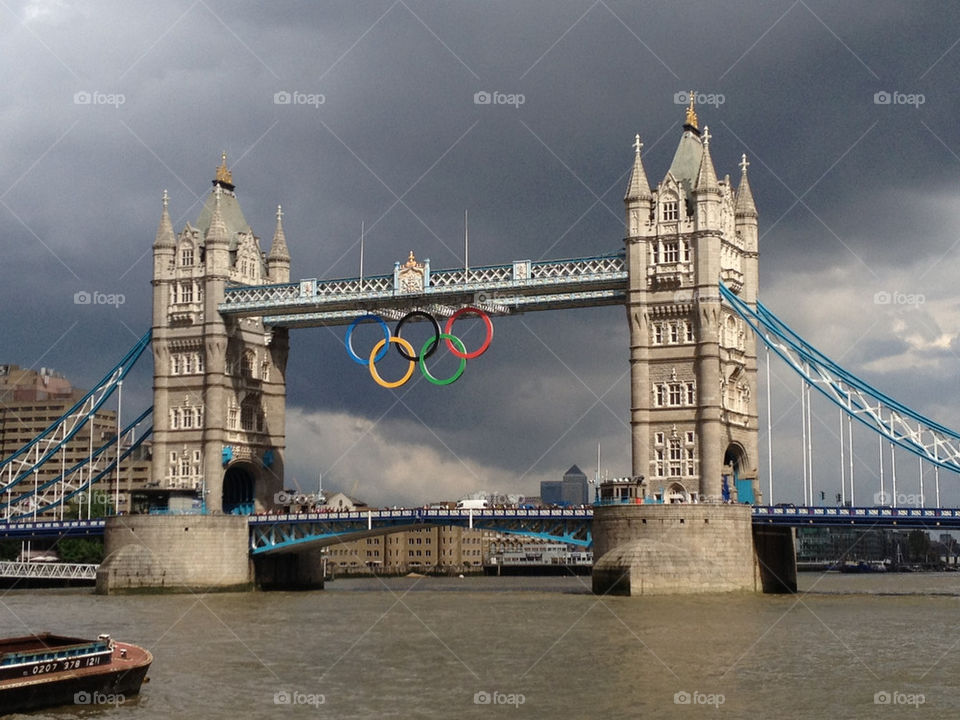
point(448, 329)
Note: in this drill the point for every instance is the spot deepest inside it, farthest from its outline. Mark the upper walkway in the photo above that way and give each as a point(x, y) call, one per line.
point(286, 532)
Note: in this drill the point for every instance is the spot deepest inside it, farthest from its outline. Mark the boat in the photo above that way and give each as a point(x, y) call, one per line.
point(863, 566)
point(46, 670)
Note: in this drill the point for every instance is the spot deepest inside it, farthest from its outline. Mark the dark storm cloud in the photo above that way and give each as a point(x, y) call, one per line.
point(855, 197)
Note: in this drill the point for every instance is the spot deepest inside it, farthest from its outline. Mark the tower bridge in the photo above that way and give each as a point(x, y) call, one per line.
point(686, 273)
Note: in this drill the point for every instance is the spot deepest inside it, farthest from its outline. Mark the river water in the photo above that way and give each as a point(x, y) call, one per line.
point(866, 646)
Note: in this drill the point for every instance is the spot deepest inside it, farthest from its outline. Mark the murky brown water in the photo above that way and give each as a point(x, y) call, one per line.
point(532, 647)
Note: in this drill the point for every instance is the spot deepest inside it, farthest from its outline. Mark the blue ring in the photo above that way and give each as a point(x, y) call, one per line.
point(348, 340)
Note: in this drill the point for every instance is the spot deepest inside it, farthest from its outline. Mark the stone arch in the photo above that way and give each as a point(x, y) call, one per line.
point(239, 488)
point(675, 493)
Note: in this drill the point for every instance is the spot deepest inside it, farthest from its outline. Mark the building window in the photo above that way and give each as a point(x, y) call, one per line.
point(688, 326)
point(686, 251)
point(691, 394)
point(661, 395)
point(174, 420)
point(689, 464)
point(247, 418)
point(187, 419)
point(186, 292)
point(660, 469)
point(670, 211)
point(689, 437)
point(675, 456)
point(658, 438)
point(670, 252)
point(658, 334)
point(676, 396)
point(232, 418)
point(674, 333)
point(175, 364)
point(186, 257)
point(247, 364)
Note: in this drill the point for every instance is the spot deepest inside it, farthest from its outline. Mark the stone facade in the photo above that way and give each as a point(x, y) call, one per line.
point(157, 553)
point(219, 383)
point(674, 549)
point(693, 362)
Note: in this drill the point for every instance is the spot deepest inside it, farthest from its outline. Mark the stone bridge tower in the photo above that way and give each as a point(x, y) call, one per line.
point(219, 383)
point(693, 362)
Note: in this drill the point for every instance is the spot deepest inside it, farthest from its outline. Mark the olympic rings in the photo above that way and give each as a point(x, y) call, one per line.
point(451, 340)
point(348, 340)
point(434, 340)
point(406, 350)
point(462, 352)
point(373, 368)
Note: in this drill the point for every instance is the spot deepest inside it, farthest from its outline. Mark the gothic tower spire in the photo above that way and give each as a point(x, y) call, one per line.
point(278, 259)
point(165, 237)
point(745, 205)
point(638, 188)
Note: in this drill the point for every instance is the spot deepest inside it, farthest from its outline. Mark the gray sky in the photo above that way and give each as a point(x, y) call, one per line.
point(855, 198)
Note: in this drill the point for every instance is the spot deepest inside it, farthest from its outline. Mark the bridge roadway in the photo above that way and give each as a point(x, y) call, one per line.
point(273, 533)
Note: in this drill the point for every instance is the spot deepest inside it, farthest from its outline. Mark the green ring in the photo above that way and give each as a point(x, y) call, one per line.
point(423, 365)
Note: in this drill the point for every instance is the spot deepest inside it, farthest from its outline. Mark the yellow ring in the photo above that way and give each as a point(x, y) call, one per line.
point(373, 367)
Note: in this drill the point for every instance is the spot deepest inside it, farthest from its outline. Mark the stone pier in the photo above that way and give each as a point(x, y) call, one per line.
point(686, 548)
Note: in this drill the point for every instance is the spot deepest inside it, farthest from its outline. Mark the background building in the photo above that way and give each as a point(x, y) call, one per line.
point(30, 401)
point(575, 490)
point(432, 549)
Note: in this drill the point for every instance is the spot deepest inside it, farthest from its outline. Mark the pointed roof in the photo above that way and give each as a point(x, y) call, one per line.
point(745, 205)
point(638, 187)
point(574, 470)
point(706, 175)
point(165, 237)
point(278, 250)
point(686, 161)
point(230, 211)
point(217, 228)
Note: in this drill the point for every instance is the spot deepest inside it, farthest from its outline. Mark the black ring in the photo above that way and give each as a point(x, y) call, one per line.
point(436, 334)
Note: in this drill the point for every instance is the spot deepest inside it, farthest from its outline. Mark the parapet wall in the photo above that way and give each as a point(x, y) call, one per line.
point(175, 553)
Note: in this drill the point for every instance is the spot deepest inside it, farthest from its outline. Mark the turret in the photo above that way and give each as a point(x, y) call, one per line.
point(217, 240)
point(706, 191)
point(278, 259)
point(164, 244)
point(638, 199)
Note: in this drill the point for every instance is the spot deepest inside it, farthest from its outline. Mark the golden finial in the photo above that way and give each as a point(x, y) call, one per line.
point(411, 261)
point(223, 175)
point(691, 119)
